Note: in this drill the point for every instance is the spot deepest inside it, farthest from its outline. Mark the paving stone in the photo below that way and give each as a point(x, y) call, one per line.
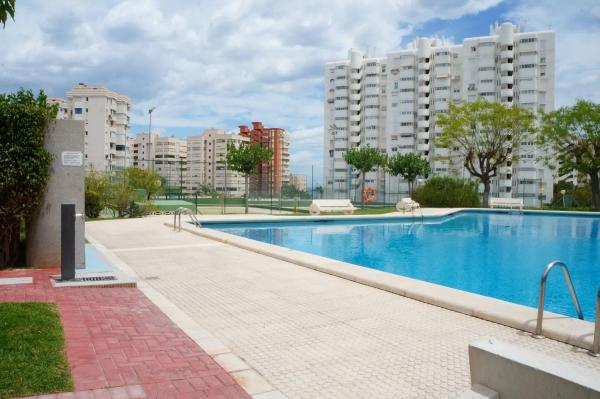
point(309, 334)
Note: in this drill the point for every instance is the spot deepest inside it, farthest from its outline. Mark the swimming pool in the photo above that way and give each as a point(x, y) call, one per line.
point(501, 255)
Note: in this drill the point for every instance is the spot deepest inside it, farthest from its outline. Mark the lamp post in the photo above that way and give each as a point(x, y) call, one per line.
point(150, 135)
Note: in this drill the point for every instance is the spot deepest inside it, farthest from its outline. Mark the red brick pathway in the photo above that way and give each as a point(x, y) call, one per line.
point(120, 345)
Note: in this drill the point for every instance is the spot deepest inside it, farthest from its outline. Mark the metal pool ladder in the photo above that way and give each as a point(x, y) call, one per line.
point(183, 210)
point(540, 314)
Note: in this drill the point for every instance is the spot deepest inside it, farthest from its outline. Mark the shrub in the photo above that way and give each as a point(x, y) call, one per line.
point(24, 164)
point(448, 192)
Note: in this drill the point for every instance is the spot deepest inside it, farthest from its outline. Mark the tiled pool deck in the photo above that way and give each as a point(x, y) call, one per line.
point(311, 334)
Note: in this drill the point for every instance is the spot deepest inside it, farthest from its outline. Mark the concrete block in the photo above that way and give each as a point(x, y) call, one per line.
point(517, 373)
point(66, 185)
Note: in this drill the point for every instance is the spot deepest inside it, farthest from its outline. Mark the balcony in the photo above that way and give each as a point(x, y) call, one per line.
point(354, 128)
point(504, 54)
point(423, 100)
point(507, 80)
point(424, 77)
point(442, 72)
point(506, 93)
point(423, 124)
point(423, 112)
point(505, 170)
point(424, 89)
point(354, 97)
point(423, 135)
point(355, 86)
point(355, 75)
point(354, 107)
point(506, 67)
point(423, 65)
point(422, 147)
point(505, 182)
point(355, 139)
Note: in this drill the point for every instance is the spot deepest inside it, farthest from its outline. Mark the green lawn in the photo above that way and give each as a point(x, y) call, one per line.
point(32, 356)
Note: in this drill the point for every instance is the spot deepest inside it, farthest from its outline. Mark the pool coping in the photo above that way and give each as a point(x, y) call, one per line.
point(437, 213)
point(558, 327)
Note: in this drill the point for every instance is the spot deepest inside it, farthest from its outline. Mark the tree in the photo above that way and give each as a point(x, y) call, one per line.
point(364, 159)
point(483, 135)
point(319, 190)
point(291, 191)
point(7, 9)
point(24, 164)
point(409, 166)
point(149, 180)
point(120, 198)
point(572, 137)
point(245, 159)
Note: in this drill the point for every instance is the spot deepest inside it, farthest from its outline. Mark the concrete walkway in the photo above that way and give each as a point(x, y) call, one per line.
point(311, 335)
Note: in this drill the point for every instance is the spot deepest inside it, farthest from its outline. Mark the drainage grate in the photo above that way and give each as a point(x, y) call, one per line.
point(98, 278)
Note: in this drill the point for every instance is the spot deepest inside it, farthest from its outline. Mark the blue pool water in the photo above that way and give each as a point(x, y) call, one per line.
point(501, 255)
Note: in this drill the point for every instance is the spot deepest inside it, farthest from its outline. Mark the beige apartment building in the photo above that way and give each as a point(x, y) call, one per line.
point(299, 181)
point(207, 154)
point(166, 155)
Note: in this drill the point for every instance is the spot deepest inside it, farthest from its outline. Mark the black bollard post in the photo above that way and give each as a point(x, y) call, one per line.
point(67, 242)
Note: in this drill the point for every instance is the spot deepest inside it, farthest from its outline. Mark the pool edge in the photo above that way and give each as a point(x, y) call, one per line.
point(558, 327)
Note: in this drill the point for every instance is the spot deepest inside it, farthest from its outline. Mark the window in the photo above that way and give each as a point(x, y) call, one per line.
point(395, 85)
point(491, 68)
point(407, 78)
point(371, 64)
point(78, 110)
point(442, 64)
point(487, 94)
point(486, 81)
point(528, 40)
point(342, 98)
point(407, 90)
point(341, 87)
point(442, 88)
point(406, 124)
point(487, 44)
point(526, 66)
point(407, 67)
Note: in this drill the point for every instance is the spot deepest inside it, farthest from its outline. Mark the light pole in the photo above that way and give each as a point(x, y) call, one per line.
point(150, 135)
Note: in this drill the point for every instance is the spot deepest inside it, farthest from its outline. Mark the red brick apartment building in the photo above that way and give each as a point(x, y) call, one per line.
point(276, 172)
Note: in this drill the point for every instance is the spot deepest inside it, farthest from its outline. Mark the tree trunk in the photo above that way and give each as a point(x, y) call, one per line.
point(411, 186)
point(595, 183)
point(362, 191)
point(486, 193)
point(246, 185)
point(9, 243)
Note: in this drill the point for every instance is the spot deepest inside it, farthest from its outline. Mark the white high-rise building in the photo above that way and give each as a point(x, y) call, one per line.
point(106, 116)
point(390, 103)
point(207, 154)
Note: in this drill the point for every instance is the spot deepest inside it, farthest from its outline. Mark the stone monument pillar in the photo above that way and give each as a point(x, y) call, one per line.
point(64, 139)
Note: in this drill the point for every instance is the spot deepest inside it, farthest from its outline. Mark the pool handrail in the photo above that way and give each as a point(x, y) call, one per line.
point(540, 313)
point(178, 213)
point(596, 343)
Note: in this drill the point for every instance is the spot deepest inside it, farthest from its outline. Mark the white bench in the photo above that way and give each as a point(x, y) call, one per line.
point(509, 203)
point(407, 204)
point(318, 206)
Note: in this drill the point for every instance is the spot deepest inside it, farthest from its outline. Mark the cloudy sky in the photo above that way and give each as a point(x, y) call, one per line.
point(225, 63)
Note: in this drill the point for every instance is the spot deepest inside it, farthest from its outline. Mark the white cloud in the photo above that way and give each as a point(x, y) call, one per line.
point(211, 64)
